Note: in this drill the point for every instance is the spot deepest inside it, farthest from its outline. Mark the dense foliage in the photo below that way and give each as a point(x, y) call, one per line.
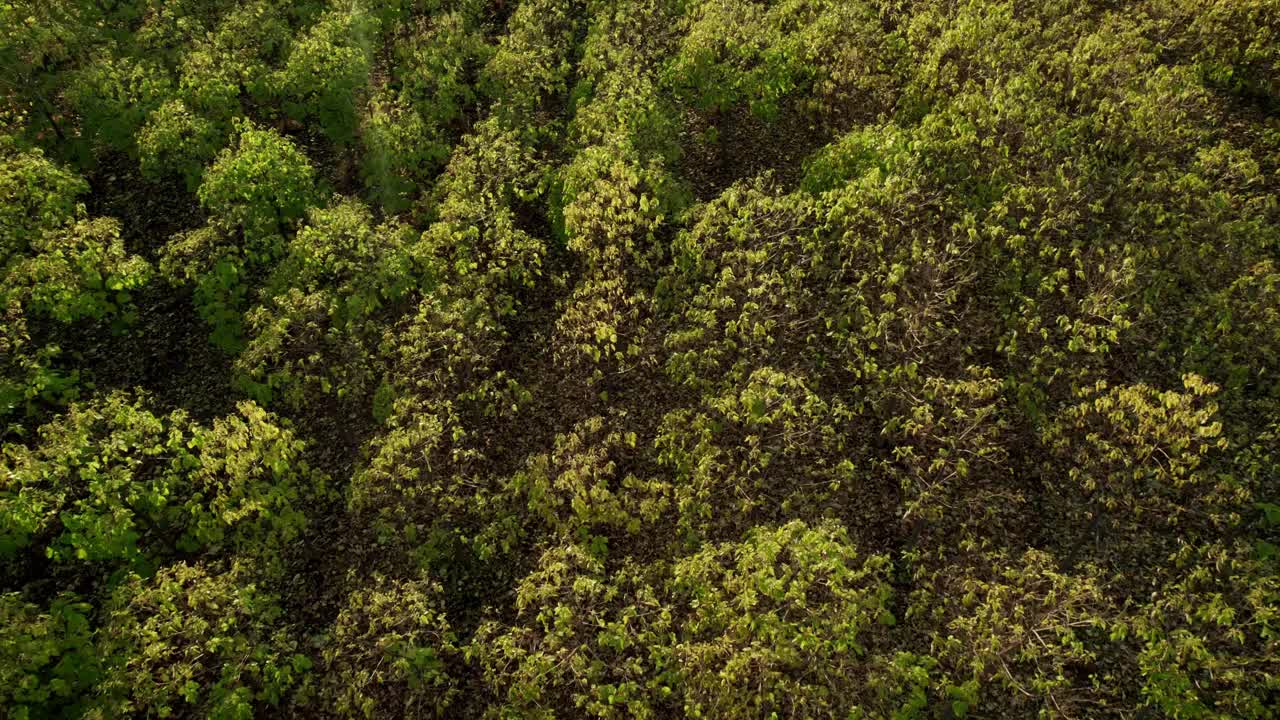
point(856, 359)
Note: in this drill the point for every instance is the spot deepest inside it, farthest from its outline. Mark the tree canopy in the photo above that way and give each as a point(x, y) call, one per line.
point(559, 359)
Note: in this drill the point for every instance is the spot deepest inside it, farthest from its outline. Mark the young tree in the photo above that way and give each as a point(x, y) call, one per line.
point(255, 192)
point(111, 485)
point(259, 186)
point(584, 641)
point(412, 122)
point(114, 94)
point(317, 331)
point(79, 271)
point(328, 70)
point(35, 195)
point(788, 621)
point(1016, 633)
point(55, 265)
point(175, 141)
point(201, 640)
point(1210, 636)
point(227, 70)
point(40, 42)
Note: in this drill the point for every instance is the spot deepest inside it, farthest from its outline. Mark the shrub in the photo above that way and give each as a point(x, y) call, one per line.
point(48, 662)
point(251, 487)
point(951, 457)
point(736, 629)
point(391, 652)
point(231, 63)
point(477, 232)
point(1233, 45)
point(616, 196)
point(318, 327)
point(583, 639)
point(402, 150)
point(583, 484)
point(97, 487)
point(207, 259)
point(317, 330)
point(1017, 634)
point(29, 376)
point(1209, 639)
point(1135, 463)
point(767, 450)
point(411, 124)
point(760, 616)
point(255, 192)
point(530, 68)
point(839, 56)
point(115, 94)
point(55, 265)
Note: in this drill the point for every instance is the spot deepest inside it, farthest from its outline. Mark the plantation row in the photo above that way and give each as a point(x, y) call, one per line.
point(639, 359)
